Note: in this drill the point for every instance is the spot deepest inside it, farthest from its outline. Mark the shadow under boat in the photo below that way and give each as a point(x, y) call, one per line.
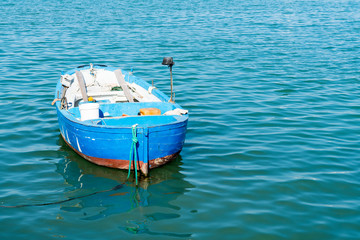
point(164, 185)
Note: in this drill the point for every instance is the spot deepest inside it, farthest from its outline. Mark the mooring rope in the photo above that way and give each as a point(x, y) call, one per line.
point(62, 201)
point(133, 154)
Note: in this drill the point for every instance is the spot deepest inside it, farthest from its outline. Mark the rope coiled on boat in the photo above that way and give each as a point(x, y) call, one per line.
point(133, 153)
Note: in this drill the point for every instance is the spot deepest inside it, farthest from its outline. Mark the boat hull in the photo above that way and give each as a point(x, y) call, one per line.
point(124, 164)
point(111, 147)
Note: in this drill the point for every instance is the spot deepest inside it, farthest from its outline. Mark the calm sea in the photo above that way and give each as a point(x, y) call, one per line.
point(273, 142)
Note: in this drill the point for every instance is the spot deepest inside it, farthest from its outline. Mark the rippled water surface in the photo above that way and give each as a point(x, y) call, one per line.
point(272, 148)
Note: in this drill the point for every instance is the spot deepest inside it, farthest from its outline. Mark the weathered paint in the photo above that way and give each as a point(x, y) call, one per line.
point(124, 164)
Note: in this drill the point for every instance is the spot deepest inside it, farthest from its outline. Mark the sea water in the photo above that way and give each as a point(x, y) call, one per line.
point(273, 141)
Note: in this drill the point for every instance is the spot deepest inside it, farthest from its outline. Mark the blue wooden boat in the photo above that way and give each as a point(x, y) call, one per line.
point(114, 119)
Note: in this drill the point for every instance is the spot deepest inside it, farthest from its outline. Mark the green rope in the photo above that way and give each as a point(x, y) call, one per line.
point(117, 88)
point(133, 153)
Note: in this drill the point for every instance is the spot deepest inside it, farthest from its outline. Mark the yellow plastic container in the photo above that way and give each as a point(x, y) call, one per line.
point(149, 111)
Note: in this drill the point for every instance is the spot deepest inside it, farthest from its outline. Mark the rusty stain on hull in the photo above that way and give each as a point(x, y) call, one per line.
point(124, 164)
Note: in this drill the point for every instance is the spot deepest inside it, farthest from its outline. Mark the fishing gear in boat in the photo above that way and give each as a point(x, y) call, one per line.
point(66, 81)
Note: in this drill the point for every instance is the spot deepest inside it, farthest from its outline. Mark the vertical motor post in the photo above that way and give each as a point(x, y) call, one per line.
point(169, 62)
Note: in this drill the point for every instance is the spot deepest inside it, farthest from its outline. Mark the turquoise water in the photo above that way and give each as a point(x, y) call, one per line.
point(272, 149)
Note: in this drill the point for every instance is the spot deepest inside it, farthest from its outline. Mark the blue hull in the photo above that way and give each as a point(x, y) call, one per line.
point(108, 142)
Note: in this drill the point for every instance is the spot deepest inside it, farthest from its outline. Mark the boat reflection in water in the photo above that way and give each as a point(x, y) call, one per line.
point(164, 185)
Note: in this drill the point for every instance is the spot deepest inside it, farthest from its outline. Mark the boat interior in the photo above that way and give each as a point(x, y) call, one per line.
point(128, 114)
point(119, 102)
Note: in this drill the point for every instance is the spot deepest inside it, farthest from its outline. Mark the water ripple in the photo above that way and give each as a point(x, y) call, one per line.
point(272, 149)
